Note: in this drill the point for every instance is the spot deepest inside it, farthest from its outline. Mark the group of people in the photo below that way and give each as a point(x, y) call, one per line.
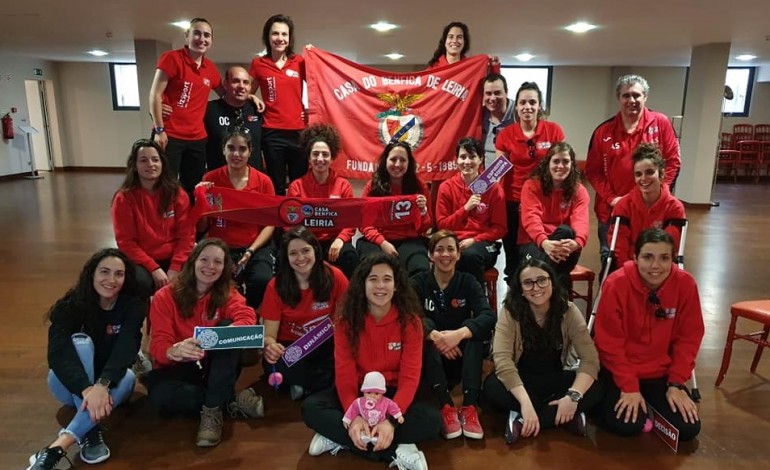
point(407, 301)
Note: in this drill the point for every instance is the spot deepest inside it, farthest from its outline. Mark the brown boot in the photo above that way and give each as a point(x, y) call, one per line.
point(210, 429)
point(247, 404)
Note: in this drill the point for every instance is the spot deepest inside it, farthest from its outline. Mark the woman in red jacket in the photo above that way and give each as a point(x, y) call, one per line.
point(454, 44)
point(649, 205)
point(649, 327)
point(376, 331)
point(150, 217)
point(554, 212)
point(250, 245)
point(525, 143)
point(186, 379)
point(304, 292)
point(396, 174)
point(478, 220)
point(321, 144)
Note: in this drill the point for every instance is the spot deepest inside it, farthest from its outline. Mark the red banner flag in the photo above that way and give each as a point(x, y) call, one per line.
point(279, 211)
point(430, 109)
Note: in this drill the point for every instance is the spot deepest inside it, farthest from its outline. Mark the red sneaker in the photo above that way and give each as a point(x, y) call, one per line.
point(452, 427)
point(469, 417)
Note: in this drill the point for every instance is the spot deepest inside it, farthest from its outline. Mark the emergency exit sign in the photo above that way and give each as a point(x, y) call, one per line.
point(38, 72)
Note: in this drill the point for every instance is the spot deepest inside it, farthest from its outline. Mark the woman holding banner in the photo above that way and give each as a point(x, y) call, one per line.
point(554, 212)
point(250, 245)
point(524, 143)
point(302, 297)
point(396, 174)
point(454, 44)
point(187, 380)
point(376, 331)
point(279, 75)
point(649, 327)
point(321, 144)
point(478, 220)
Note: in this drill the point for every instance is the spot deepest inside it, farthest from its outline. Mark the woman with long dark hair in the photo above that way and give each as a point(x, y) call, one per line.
point(535, 332)
point(250, 245)
point(150, 217)
point(554, 212)
point(320, 144)
point(93, 339)
point(378, 329)
point(455, 42)
point(525, 143)
point(186, 379)
point(304, 292)
point(396, 174)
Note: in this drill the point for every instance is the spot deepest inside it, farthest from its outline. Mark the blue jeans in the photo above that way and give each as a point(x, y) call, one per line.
point(82, 423)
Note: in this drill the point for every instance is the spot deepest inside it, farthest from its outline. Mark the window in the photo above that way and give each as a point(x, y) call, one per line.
point(125, 87)
point(741, 82)
point(515, 76)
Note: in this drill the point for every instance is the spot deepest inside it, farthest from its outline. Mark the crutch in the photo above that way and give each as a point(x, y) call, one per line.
point(604, 275)
point(682, 224)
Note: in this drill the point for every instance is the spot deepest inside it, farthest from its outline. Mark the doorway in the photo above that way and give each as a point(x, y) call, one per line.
point(39, 118)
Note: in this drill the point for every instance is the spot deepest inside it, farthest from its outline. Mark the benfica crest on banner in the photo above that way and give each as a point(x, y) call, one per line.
point(429, 109)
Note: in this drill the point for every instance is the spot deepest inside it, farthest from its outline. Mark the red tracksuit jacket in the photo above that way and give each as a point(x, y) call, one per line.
point(486, 223)
point(541, 214)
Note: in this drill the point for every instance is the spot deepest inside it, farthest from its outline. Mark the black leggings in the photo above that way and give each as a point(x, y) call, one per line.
point(565, 267)
point(281, 150)
point(314, 372)
point(438, 371)
point(412, 253)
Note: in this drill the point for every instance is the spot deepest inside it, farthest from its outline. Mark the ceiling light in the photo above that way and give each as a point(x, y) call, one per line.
point(580, 27)
point(524, 57)
point(394, 56)
point(746, 57)
point(383, 26)
point(98, 53)
point(184, 24)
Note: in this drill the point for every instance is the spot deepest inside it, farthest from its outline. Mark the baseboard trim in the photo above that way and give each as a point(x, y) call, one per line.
point(698, 205)
point(91, 169)
point(15, 176)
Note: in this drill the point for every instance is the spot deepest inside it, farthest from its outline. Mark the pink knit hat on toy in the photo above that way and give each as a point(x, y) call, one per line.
point(373, 382)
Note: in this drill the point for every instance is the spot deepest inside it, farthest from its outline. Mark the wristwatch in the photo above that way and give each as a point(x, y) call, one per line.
point(103, 382)
point(574, 395)
point(678, 385)
point(159, 130)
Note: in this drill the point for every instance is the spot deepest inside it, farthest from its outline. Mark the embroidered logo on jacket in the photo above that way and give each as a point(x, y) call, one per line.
point(394, 346)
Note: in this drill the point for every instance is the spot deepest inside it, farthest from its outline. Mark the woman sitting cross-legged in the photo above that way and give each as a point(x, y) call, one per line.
point(93, 339)
point(535, 332)
point(187, 379)
point(379, 329)
point(457, 323)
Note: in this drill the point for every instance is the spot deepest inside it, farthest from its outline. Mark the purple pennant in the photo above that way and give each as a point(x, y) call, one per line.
point(494, 173)
point(308, 342)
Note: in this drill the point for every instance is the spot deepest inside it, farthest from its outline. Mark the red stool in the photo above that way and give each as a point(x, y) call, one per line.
point(490, 283)
point(582, 273)
point(756, 310)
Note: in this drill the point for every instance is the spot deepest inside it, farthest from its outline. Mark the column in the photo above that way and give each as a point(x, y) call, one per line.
point(147, 53)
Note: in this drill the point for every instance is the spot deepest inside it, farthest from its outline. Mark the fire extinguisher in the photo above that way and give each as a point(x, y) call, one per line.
point(7, 126)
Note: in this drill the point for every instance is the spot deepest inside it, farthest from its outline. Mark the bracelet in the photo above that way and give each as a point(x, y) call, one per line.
point(249, 251)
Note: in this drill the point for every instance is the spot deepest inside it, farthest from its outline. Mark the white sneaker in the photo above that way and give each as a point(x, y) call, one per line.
point(320, 444)
point(409, 457)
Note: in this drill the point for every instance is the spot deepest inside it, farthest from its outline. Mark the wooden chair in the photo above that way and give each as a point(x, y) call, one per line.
point(582, 273)
point(728, 156)
point(749, 149)
point(762, 135)
point(758, 311)
point(490, 283)
point(743, 132)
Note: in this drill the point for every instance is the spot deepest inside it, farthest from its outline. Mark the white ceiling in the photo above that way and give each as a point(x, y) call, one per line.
point(641, 32)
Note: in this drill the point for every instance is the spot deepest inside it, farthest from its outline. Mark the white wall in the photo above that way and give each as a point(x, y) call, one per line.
point(97, 135)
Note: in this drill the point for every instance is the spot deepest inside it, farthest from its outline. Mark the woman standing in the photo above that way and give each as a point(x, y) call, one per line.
point(150, 217)
point(250, 244)
point(304, 292)
point(535, 333)
point(524, 143)
point(457, 323)
point(93, 339)
point(478, 220)
point(376, 331)
point(321, 144)
point(186, 379)
point(554, 212)
point(649, 327)
point(279, 75)
point(649, 205)
point(455, 42)
point(396, 175)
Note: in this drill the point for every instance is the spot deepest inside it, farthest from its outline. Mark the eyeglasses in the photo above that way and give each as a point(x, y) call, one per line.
point(531, 147)
point(542, 282)
point(654, 300)
point(440, 299)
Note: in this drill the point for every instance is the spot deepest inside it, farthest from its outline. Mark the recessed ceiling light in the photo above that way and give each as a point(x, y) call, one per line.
point(383, 26)
point(184, 24)
point(746, 57)
point(524, 57)
point(580, 27)
point(394, 56)
point(98, 53)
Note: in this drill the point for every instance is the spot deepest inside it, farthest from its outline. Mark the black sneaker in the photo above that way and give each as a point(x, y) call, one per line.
point(93, 449)
point(513, 428)
point(47, 458)
point(577, 426)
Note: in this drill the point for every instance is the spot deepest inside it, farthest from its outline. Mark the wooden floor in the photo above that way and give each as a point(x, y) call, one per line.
point(53, 225)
